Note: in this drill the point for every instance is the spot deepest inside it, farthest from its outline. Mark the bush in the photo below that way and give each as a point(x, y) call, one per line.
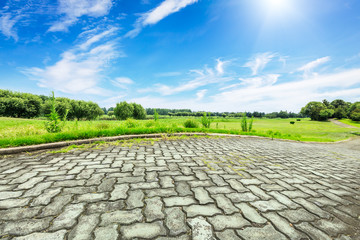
point(139, 111)
point(206, 121)
point(355, 115)
point(245, 127)
point(124, 110)
point(298, 119)
point(103, 126)
point(156, 115)
point(150, 124)
point(292, 122)
point(131, 123)
point(110, 113)
point(54, 124)
point(191, 124)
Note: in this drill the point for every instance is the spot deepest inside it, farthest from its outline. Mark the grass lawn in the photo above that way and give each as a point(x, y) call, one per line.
point(19, 132)
point(351, 122)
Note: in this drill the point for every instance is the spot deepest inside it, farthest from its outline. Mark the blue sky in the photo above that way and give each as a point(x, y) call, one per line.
point(213, 55)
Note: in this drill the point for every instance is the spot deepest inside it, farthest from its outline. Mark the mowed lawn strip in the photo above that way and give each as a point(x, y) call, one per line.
point(21, 132)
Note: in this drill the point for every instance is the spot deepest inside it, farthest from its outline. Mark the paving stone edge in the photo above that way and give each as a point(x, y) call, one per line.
point(32, 148)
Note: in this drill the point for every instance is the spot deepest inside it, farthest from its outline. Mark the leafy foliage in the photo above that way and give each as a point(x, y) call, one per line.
point(206, 120)
point(189, 123)
point(124, 110)
point(139, 111)
point(156, 115)
point(54, 123)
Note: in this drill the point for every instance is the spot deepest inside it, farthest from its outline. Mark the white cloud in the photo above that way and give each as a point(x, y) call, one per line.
point(79, 70)
point(72, 10)
point(201, 77)
point(258, 62)
point(155, 15)
point(201, 94)
point(122, 82)
point(7, 23)
point(220, 66)
point(260, 81)
point(309, 67)
point(168, 74)
point(292, 95)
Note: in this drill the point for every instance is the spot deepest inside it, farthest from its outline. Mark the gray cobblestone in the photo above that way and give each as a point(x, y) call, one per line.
point(143, 230)
point(247, 187)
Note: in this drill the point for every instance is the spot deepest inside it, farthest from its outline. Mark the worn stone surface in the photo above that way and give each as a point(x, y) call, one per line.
point(192, 188)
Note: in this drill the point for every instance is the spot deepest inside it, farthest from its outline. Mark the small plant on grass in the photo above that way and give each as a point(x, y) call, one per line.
point(131, 123)
point(206, 120)
point(156, 115)
point(191, 124)
point(298, 119)
point(54, 123)
point(292, 122)
point(245, 125)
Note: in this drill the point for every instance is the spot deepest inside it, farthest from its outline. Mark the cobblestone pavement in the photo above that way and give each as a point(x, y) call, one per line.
point(195, 188)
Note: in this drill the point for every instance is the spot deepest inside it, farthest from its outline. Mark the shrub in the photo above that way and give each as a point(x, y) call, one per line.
point(150, 124)
point(191, 124)
point(206, 121)
point(110, 113)
point(245, 126)
point(131, 123)
point(139, 112)
point(355, 116)
point(124, 110)
point(54, 124)
point(156, 115)
point(292, 122)
point(103, 126)
point(298, 119)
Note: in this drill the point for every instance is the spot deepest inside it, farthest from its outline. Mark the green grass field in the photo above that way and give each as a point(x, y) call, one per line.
point(20, 132)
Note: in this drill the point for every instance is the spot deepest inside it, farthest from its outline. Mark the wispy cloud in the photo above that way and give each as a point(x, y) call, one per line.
point(309, 67)
point(168, 74)
point(80, 69)
point(72, 10)
point(122, 82)
point(260, 81)
point(200, 77)
point(7, 23)
point(259, 61)
point(155, 15)
point(200, 94)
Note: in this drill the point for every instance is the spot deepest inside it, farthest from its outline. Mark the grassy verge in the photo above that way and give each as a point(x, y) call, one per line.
point(351, 122)
point(20, 132)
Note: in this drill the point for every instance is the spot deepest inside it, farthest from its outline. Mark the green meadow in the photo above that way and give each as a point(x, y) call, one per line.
point(20, 132)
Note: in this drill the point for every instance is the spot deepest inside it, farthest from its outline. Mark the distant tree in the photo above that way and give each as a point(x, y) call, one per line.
point(325, 114)
point(139, 112)
point(104, 110)
point(312, 109)
point(283, 114)
point(354, 111)
point(124, 110)
point(340, 113)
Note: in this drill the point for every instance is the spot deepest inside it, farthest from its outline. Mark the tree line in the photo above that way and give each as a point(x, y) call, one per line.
point(26, 105)
point(322, 111)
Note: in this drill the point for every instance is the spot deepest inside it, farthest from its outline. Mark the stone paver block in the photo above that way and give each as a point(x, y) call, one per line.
point(201, 210)
point(201, 229)
point(109, 232)
point(119, 192)
point(135, 199)
point(271, 205)
point(333, 227)
point(24, 227)
point(179, 201)
point(227, 234)
point(153, 209)
point(68, 217)
point(221, 222)
point(13, 203)
point(59, 235)
point(242, 197)
point(84, 228)
point(298, 215)
point(175, 221)
point(122, 217)
point(202, 195)
point(91, 197)
point(7, 195)
point(225, 204)
point(311, 231)
point(284, 226)
point(254, 233)
point(143, 230)
point(250, 213)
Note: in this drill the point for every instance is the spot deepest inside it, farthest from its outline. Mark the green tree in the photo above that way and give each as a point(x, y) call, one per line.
point(313, 109)
point(124, 110)
point(325, 114)
point(139, 111)
point(354, 111)
point(156, 115)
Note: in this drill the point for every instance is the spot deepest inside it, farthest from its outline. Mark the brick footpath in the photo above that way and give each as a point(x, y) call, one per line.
point(196, 188)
